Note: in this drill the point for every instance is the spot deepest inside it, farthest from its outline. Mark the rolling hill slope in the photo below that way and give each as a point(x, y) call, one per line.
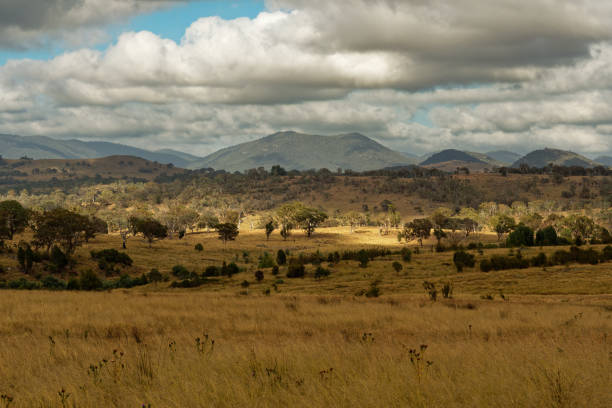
point(299, 151)
point(450, 159)
point(504, 156)
point(605, 160)
point(544, 157)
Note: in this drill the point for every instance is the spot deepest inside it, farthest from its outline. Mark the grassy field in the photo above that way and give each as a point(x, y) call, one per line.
point(311, 343)
point(133, 349)
point(347, 277)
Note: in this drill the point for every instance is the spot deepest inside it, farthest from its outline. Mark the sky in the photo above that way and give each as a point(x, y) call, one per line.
point(416, 75)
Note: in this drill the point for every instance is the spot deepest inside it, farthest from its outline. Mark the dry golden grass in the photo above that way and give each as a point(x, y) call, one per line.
point(312, 343)
point(302, 351)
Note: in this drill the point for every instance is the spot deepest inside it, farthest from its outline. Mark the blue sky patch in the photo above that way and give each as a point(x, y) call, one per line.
point(168, 23)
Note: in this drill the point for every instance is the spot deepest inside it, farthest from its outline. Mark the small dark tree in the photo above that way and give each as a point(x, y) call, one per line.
point(463, 259)
point(546, 236)
point(285, 231)
point(406, 254)
point(58, 260)
point(227, 232)
point(363, 258)
point(431, 290)
point(150, 228)
point(447, 290)
point(309, 219)
point(419, 228)
point(503, 225)
point(25, 257)
point(281, 257)
point(61, 227)
point(278, 171)
point(521, 236)
point(269, 229)
point(439, 234)
point(13, 218)
point(397, 267)
point(93, 226)
point(259, 275)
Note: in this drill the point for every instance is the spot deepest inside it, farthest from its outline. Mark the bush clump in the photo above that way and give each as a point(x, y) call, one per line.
point(89, 280)
point(112, 256)
point(296, 270)
point(52, 283)
point(406, 254)
point(266, 261)
point(522, 236)
point(180, 272)
point(321, 273)
point(463, 259)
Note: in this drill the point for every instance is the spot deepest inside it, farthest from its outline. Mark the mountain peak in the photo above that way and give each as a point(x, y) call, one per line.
point(301, 151)
point(544, 157)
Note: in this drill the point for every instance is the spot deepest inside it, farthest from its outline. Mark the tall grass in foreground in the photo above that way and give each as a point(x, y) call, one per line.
point(194, 349)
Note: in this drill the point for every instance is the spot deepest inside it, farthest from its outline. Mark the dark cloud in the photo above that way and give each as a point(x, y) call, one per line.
point(41, 22)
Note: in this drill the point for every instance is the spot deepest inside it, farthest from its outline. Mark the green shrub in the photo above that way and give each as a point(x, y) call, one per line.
point(229, 269)
point(502, 262)
point(585, 256)
point(561, 257)
point(73, 284)
point(52, 283)
point(296, 270)
point(259, 275)
point(187, 283)
point(373, 290)
point(321, 272)
point(266, 261)
point(155, 276)
point(606, 254)
point(212, 271)
point(180, 272)
point(199, 247)
point(486, 265)
point(23, 284)
point(112, 256)
point(89, 280)
point(539, 260)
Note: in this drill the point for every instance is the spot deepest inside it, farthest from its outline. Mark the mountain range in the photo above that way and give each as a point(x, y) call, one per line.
point(293, 150)
point(605, 160)
point(42, 147)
